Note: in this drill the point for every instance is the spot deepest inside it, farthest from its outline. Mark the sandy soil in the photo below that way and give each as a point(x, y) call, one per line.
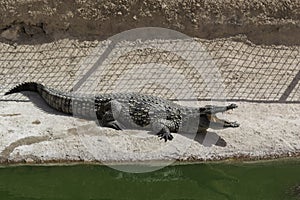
point(263, 21)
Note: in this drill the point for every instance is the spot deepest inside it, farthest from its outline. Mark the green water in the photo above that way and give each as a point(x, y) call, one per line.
point(274, 180)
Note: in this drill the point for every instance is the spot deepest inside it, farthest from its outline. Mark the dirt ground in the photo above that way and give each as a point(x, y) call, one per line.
point(262, 21)
point(46, 41)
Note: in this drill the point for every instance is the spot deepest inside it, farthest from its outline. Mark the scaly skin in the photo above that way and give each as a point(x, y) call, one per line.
point(133, 111)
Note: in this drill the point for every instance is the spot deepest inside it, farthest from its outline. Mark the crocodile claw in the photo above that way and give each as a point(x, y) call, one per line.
point(235, 124)
point(166, 136)
point(231, 106)
point(231, 124)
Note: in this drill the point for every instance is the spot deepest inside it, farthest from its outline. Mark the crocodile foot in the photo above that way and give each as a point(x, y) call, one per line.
point(165, 135)
point(231, 124)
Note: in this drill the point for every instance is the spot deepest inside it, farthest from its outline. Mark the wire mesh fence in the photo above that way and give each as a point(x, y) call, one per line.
point(166, 68)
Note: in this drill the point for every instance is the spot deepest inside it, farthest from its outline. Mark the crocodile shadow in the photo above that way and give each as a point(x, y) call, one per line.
point(206, 138)
point(40, 103)
point(210, 138)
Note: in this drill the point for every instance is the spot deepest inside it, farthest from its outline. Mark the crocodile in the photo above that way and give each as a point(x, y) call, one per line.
point(133, 111)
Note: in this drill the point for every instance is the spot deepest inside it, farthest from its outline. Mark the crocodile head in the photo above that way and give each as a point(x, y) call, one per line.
point(209, 119)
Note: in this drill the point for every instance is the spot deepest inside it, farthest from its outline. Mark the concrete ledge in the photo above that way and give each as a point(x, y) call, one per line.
point(32, 135)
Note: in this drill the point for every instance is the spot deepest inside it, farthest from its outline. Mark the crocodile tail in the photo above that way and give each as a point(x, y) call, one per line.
point(27, 86)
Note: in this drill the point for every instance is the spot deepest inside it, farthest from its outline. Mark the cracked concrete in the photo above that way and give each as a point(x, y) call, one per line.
point(267, 131)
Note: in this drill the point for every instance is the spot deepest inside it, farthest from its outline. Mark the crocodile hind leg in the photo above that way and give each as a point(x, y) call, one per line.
point(106, 117)
point(109, 121)
point(113, 124)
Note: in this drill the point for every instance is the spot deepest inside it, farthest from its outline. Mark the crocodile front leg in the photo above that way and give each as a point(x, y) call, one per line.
point(162, 128)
